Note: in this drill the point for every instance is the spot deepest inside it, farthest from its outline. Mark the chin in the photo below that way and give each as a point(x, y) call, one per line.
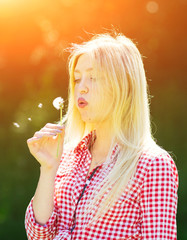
point(88, 119)
point(92, 119)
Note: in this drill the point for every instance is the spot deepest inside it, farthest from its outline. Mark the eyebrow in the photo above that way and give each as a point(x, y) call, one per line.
point(87, 70)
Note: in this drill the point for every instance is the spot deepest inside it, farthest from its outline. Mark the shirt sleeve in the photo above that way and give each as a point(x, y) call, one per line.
point(34, 230)
point(159, 200)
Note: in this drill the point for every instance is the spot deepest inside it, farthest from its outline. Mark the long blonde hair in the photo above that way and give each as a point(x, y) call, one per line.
point(118, 58)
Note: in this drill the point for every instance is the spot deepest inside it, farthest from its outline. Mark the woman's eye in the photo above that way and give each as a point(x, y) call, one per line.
point(76, 80)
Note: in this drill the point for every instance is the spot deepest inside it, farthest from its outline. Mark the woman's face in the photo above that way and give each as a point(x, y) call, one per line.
point(87, 98)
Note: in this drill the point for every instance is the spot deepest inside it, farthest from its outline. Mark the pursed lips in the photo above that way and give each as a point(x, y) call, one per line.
point(82, 102)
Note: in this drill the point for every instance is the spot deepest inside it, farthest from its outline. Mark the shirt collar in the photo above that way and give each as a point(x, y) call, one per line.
point(90, 139)
point(86, 141)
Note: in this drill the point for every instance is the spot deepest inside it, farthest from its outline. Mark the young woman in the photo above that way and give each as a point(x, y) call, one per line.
point(111, 180)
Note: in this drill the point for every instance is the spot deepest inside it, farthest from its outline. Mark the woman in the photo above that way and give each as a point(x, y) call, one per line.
point(111, 181)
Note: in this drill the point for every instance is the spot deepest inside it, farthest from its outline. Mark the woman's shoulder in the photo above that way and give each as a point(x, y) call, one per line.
point(155, 160)
point(156, 154)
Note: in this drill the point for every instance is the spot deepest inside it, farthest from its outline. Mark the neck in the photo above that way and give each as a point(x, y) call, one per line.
point(104, 137)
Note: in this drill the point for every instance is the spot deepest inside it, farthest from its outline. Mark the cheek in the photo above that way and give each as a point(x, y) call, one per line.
point(105, 106)
point(75, 90)
point(75, 93)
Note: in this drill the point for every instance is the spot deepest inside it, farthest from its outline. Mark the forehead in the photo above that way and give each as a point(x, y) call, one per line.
point(84, 63)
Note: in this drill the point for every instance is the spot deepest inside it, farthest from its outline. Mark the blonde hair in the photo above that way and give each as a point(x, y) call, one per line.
point(119, 60)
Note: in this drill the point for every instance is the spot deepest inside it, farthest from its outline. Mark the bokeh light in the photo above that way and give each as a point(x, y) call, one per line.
point(152, 7)
point(40, 105)
point(37, 55)
point(16, 124)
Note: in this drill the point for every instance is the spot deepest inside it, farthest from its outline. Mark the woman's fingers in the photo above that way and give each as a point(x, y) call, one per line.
point(33, 140)
point(45, 134)
point(39, 135)
point(49, 130)
point(54, 126)
point(47, 144)
point(49, 127)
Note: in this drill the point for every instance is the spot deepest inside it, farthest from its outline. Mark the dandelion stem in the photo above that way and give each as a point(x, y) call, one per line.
point(58, 135)
point(61, 116)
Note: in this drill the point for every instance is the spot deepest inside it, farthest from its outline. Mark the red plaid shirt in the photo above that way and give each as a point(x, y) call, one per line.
point(148, 211)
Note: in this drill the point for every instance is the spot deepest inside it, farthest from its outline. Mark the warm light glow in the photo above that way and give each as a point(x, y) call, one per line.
point(11, 3)
point(13, 7)
point(6, 1)
point(68, 3)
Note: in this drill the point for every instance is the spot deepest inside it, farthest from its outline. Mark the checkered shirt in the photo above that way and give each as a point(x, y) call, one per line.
point(147, 212)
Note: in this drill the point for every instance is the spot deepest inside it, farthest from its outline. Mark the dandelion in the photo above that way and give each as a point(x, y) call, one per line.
point(40, 105)
point(16, 124)
point(58, 103)
point(29, 119)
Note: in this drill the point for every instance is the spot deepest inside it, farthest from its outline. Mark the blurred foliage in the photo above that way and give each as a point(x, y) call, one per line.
point(33, 71)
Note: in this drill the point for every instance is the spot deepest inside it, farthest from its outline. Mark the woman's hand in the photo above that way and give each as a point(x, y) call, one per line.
point(43, 145)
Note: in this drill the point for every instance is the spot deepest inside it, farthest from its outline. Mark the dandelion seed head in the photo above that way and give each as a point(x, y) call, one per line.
point(29, 119)
point(58, 103)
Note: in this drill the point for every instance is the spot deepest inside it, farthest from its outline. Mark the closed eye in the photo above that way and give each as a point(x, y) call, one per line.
point(76, 80)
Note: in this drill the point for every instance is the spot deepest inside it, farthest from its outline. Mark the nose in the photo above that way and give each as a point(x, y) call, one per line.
point(83, 88)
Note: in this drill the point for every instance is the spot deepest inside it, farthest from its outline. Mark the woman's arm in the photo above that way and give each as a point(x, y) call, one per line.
point(43, 202)
point(159, 200)
point(45, 208)
point(41, 212)
point(40, 218)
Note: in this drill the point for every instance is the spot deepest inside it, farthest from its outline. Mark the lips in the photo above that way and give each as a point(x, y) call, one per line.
point(82, 102)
